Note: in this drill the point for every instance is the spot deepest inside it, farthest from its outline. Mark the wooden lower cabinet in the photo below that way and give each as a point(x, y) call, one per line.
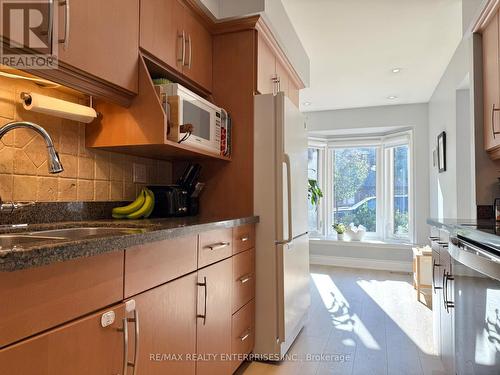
point(214, 319)
point(168, 328)
point(80, 348)
point(243, 333)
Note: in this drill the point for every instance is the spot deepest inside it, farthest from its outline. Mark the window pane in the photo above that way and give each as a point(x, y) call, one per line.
point(400, 157)
point(355, 187)
point(313, 175)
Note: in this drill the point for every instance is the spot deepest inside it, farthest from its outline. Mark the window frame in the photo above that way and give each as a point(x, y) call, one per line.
point(384, 177)
point(321, 147)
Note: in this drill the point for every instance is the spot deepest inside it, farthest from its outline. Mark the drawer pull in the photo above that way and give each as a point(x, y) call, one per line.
point(245, 278)
point(245, 336)
point(244, 239)
point(218, 246)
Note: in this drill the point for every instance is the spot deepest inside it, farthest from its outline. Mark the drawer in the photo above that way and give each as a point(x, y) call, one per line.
point(43, 297)
point(243, 333)
point(243, 238)
point(214, 246)
point(152, 264)
point(243, 278)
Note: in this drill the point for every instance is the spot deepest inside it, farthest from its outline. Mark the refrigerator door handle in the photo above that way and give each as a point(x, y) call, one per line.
point(286, 160)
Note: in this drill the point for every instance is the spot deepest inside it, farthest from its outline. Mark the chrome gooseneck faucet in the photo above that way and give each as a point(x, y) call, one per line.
point(54, 163)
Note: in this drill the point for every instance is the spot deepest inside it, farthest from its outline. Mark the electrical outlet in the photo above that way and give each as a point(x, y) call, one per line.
point(140, 174)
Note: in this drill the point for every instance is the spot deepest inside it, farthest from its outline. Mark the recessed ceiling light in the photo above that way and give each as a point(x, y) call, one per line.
point(392, 97)
point(396, 70)
point(307, 104)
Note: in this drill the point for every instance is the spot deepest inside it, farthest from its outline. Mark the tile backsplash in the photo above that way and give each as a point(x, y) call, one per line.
point(89, 175)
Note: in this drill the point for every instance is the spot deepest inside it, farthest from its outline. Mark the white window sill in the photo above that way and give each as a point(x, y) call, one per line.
point(367, 242)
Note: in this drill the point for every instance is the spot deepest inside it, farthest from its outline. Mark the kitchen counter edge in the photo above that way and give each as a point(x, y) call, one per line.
point(156, 230)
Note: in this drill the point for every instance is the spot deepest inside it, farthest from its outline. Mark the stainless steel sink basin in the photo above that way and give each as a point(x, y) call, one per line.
point(8, 241)
point(87, 232)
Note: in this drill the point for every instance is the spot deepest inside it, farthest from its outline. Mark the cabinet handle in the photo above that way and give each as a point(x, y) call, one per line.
point(135, 320)
point(244, 239)
point(245, 278)
point(182, 59)
point(204, 315)
point(190, 51)
point(434, 265)
point(50, 24)
point(493, 110)
point(245, 335)
point(218, 246)
point(275, 81)
point(448, 304)
point(65, 41)
point(125, 344)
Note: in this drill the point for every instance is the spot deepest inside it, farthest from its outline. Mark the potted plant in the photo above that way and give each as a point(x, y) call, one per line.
point(314, 192)
point(340, 229)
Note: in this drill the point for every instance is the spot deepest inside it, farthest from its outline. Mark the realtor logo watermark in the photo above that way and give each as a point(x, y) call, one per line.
point(29, 29)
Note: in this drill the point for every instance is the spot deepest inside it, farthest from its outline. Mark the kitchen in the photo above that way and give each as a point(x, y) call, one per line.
point(155, 210)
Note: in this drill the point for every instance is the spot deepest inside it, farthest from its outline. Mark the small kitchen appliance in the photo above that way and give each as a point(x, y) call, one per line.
point(181, 199)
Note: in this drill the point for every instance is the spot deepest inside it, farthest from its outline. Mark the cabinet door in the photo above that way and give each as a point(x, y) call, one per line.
point(282, 73)
point(266, 67)
point(102, 39)
point(161, 30)
point(491, 84)
point(198, 51)
point(80, 348)
point(168, 328)
point(214, 322)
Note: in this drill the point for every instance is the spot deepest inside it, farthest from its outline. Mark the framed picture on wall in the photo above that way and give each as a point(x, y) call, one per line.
point(441, 152)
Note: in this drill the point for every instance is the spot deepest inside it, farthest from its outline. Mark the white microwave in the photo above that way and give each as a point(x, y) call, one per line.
point(185, 107)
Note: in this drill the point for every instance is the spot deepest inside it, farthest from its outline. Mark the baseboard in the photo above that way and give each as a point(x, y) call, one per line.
point(372, 264)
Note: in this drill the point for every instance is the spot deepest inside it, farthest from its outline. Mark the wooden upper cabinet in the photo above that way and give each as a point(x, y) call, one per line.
point(198, 64)
point(491, 84)
point(102, 39)
point(273, 74)
point(266, 67)
point(86, 346)
point(161, 30)
point(171, 32)
point(283, 78)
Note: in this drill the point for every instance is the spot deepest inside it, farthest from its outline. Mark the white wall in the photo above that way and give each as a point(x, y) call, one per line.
point(445, 197)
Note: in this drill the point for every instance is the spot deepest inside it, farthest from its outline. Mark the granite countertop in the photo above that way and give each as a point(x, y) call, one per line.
point(486, 232)
point(51, 251)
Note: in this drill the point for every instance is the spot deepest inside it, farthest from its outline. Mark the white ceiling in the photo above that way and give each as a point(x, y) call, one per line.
point(354, 44)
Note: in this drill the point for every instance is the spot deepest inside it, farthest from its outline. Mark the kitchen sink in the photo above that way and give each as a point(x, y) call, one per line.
point(16, 240)
point(87, 232)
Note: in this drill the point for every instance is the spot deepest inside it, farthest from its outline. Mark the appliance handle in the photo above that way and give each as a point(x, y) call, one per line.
point(286, 160)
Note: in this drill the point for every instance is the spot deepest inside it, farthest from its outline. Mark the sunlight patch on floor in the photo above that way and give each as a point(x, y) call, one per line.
point(338, 306)
point(406, 322)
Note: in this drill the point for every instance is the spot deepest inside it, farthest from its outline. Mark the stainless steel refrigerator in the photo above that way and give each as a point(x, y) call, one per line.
point(282, 242)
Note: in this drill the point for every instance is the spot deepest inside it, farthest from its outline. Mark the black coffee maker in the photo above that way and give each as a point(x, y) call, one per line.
point(181, 199)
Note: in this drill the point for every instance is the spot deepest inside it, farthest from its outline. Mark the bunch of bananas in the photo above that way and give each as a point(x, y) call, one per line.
point(142, 207)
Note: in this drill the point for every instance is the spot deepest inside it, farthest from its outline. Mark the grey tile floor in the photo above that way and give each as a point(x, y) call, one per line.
point(361, 322)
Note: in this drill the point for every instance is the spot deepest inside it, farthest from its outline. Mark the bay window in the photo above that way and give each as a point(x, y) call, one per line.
point(365, 181)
